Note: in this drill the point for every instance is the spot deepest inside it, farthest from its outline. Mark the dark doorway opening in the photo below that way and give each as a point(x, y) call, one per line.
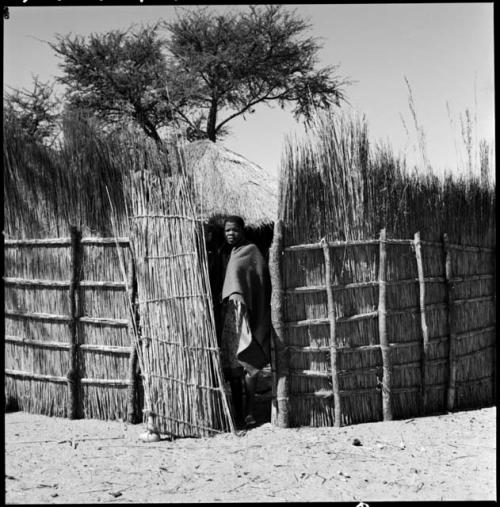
point(262, 236)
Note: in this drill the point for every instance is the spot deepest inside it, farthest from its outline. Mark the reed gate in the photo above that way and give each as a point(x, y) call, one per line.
point(68, 348)
point(380, 329)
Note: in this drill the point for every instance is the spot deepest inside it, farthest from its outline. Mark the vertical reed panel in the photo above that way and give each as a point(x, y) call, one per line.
point(132, 415)
point(452, 363)
point(73, 386)
point(382, 329)
point(279, 349)
point(333, 344)
point(423, 321)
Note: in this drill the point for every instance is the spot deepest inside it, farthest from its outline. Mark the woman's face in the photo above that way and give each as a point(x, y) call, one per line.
point(233, 233)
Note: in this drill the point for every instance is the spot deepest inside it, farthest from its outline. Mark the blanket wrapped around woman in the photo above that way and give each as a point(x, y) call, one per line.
point(247, 326)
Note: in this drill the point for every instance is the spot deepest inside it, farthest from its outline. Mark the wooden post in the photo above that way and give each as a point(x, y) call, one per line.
point(423, 322)
point(382, 329)
point(132, 413)
point(450, 395)
point(73, 373)
point(279, 349)
point(494, 355)
point(333, 339)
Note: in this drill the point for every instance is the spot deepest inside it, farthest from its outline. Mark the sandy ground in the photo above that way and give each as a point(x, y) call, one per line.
point(446, 457)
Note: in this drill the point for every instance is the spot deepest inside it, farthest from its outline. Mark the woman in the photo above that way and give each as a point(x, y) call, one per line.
point(246, 293)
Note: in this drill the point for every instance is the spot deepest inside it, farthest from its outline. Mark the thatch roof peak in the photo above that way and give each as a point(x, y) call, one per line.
point(229, 183)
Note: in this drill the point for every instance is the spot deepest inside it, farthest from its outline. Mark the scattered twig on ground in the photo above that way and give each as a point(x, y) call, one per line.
point(71, 440)
point(238, 487)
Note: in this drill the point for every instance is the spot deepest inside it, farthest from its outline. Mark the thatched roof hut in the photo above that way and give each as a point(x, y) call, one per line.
point(228, 183)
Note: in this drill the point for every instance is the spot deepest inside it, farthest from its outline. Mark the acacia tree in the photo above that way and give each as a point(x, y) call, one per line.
point(211, 69)
point(236, 61)
point(34, 111)
point(118, 75)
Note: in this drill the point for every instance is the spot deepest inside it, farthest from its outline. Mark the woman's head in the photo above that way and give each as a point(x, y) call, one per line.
point(234, 230)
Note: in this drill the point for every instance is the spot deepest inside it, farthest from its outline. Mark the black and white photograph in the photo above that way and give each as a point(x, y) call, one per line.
point(249, 253)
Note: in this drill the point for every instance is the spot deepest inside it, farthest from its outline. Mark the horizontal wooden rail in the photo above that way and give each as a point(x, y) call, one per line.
point(469, 278)
point(122, 241)
point(24, 282)
point(61, 284)
point(112, 349)
point(104, 321)
point(63, 242)
point(307, 349)
point(485, 378)
point(322, 288)
point(475, 351)
point(479, 299)
point(298, 372)
point(105, 382)
point(36, 343)
point(321, 321)
point(373, 283)
point(343, 244)
point(392, 311)
point(326, 393)
point(309, 373)
point(37, 316)
point(36, 376)
point(432, 341)
point(172, 298)
point(65, 318)
point(96, 284)
point(331, 244)
point(418, 364)
point(171, 256)
point(183, 382)
point(168, 217)
point(177, 344)
point(46, 242)
point(473, 332)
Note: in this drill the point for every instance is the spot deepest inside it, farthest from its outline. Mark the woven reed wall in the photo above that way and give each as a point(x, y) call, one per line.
point(177, 344)
point(340, 363)
point(39, 315)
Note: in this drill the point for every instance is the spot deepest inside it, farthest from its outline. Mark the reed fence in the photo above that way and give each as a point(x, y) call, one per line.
point(68, 347)
point(382, 328)
point(177, 344)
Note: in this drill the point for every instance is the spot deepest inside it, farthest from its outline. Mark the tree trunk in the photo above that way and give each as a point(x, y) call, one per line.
point(146, 125)
point(212, 121)
point(151, 132)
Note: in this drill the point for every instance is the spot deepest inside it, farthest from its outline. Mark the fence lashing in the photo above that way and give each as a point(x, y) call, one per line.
point(332, 338)
point(423, 321)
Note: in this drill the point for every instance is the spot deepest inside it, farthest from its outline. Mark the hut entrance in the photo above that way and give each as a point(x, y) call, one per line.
point(217, 255)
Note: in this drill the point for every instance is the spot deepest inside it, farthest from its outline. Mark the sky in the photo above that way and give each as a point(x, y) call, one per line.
point(444, 50)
